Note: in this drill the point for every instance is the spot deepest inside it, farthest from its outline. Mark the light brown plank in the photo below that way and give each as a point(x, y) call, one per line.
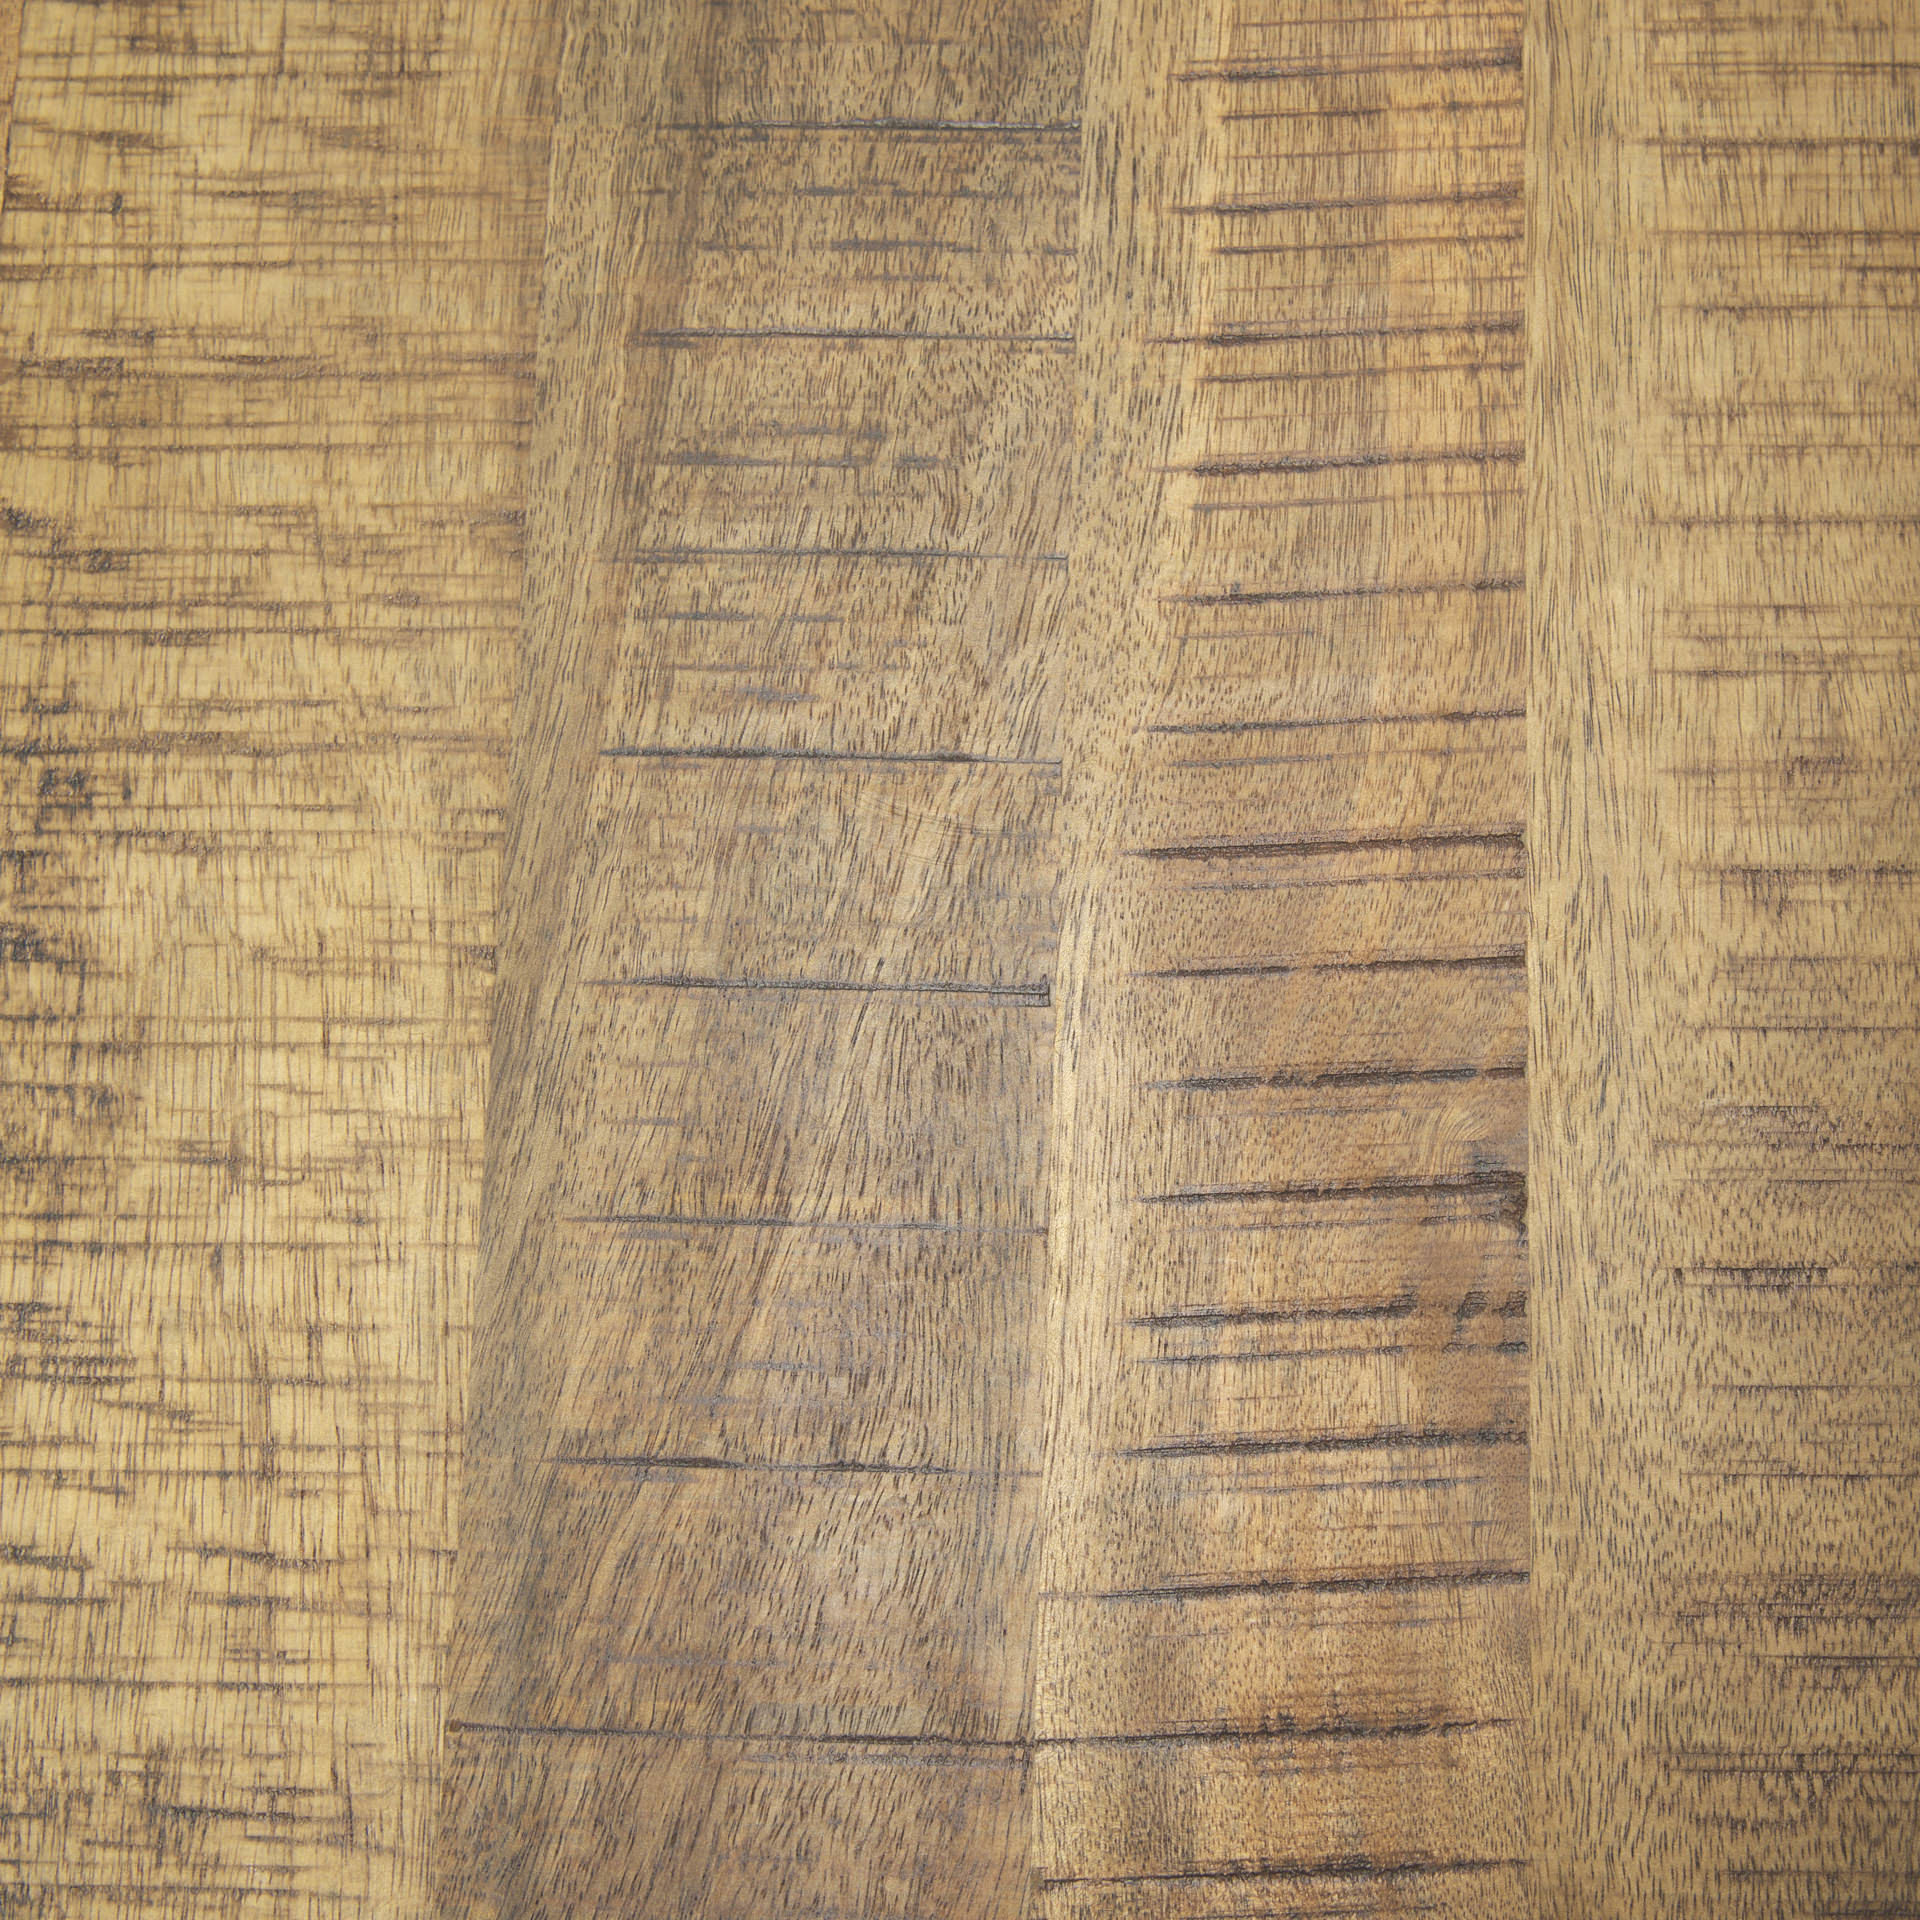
point(748, 1562)
point(265, 332)
point(1723, 590)
point(1281, 1652)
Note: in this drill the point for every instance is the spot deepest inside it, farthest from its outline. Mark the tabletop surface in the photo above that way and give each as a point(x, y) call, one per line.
point(960, 959)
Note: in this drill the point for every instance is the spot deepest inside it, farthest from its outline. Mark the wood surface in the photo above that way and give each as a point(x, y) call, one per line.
point(1722, 426)
point(1139, 699)
point(1281, 1650)
point(9, 70)
point(267, 282)
point(747, 1584)
point(988, 570)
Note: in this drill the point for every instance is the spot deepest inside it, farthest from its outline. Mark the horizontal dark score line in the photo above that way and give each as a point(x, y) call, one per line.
point(827, 757)
point(1339, 1867)
point(1254, 335)
point(1380, 1440)
point(1401, 1307)
point(1348, 377)
point(693, 336)
point(1451, 717)
point(1500, 960)
point(1844, 1476)
point(1026, 994)
point(1456, 197)
point(1379, 1580)
point(1289, 1356)
point(1510, 839)
point(1279, 1730)
point(686, 556)
point(1276, 1730)
point(879, 124)
point(1509, 1183)
point(937, 1742)
point(714, 1463)
point(1254, 464)
point(1226, 73)
point(1336, 1077)
point(1714, 147)
point(1393, 590)
point(780, 1222)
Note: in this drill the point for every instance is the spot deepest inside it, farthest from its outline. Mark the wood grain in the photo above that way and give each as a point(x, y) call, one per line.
point(9, 73)
point(1046, 996)
point(1721, 425)
point(891, 595)
point(1281, 1655)
point(746, 1588)
point(266, 337)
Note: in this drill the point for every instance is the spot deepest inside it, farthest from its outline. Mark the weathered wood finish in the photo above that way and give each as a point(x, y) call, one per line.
point(1001, 1371)
point(266, 281)
point(9, 69)
point(1722, 416)
point(752, 1480)
point(889, 595)
point(1281, 1656)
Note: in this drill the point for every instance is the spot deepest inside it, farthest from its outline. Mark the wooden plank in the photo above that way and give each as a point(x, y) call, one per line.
point(266, 335)
point(1723, 589)
point(747, 1582)
point(1281, 1652)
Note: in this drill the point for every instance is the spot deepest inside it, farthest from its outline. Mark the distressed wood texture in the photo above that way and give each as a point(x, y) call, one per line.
point(266, 336)
point(1001, 1361)
point(1722, 413)
point(747, 1583)
point(1281, 1660)
point(867, 1513)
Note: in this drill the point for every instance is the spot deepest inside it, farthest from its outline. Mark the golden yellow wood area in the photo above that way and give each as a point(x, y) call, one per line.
point(267, 283)
point(1100, 812)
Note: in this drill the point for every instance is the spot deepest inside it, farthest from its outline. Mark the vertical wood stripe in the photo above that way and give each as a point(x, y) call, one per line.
point(746, 1611)
point(1722, 423)
point(1281, 1653)
point(9, 72)
point(265, 327)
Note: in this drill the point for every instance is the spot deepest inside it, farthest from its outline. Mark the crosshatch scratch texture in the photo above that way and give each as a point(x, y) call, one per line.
point(266, 328)
point(1108, 807)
